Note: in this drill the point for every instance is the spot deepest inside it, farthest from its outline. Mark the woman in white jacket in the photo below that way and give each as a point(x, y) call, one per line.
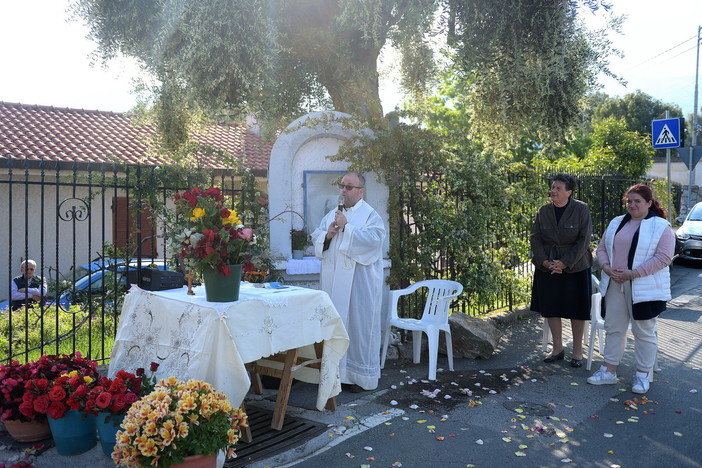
point(634, 253)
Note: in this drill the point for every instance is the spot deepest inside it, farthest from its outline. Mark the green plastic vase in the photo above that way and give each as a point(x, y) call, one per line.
point(220, 288)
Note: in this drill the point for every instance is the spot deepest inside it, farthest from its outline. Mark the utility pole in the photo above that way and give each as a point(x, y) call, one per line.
point(695, 124)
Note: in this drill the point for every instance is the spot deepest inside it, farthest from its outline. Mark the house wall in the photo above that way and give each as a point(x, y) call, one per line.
point(52, 227)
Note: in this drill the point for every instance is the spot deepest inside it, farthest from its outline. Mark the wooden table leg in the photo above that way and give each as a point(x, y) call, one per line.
point(281, 403)
point(246, 431)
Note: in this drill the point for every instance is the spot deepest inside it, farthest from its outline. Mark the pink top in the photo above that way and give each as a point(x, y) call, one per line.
point(622, 244)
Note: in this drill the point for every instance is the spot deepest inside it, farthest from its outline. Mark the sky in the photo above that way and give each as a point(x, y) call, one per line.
point(47, 60)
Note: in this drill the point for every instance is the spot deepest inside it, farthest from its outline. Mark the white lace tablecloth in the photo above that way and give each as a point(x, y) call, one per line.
point(192, 338)
point(306, 266)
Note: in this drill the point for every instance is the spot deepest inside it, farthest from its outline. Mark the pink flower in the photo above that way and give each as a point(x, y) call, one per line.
point(246, 234)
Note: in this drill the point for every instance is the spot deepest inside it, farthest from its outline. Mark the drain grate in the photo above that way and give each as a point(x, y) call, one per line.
point(268, 442)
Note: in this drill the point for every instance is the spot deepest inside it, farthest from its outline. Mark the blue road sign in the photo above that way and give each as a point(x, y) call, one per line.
point(666, 133)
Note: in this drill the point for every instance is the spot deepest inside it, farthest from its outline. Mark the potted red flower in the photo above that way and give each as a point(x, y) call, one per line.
point(17, 412)
point(109, 400)
point(65, 401)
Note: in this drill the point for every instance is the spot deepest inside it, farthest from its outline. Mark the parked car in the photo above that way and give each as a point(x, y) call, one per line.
point(688, 237)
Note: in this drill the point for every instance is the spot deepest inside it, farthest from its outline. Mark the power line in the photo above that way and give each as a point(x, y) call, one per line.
point(669, 49)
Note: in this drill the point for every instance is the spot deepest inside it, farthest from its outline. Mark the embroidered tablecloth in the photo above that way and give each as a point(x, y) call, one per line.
point(192, 338)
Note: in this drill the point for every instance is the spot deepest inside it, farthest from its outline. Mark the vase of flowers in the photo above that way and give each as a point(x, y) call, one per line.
point(212, 240)
point(299, 239)
point(66, 403)
point(17, 406)
point(109, 400)
point(177, 420)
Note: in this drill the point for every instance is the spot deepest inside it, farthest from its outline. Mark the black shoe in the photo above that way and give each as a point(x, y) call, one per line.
point(576, 362)
point(556, 357)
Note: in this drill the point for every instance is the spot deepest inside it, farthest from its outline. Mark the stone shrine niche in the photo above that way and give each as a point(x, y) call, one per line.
point(301, 183)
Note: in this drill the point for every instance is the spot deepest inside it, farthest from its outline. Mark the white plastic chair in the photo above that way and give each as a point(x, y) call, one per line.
point(596, 328)
point(434, 319)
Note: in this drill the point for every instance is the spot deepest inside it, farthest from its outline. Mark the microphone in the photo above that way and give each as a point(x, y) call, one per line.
point(340, 205)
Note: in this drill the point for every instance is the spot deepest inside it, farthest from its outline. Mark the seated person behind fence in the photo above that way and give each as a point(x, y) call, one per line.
point(26, 288)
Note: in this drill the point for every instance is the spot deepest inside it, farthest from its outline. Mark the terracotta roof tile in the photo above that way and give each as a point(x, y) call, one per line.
point(66, 135)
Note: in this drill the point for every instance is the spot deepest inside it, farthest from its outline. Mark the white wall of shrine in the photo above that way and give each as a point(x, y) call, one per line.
point(300, 178)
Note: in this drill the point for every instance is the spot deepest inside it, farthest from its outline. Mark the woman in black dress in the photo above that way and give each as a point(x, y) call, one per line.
point(560, 245)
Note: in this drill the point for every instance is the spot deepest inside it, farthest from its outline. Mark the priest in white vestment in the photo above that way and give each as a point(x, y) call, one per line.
point(349, 243)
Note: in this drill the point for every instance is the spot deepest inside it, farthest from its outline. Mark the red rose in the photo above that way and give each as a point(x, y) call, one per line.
point(41, 403)
point(103, 400)
point(130, 398)
point(89, 406)
point(140, 371)
point(154, 367)
point(42, 384)
point(225, 270)
point(80, 392)
point(28, 397)
point(57, 410)
point(27, 409)
point(224, 213)
point(57, 393)
point(118, 404)
point(75, 381)
point(74, 404)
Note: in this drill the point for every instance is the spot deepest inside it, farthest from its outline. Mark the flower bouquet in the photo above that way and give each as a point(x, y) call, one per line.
point(208, 235)
point(177, 420)
point(66, 392)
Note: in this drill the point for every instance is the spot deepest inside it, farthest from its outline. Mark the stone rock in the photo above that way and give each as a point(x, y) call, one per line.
point(473, 337)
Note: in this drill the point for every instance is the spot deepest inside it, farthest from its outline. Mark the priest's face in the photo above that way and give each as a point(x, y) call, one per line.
point(351, 190)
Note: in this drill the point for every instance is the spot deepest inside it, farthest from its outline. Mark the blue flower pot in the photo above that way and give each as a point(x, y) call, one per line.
point(74, 433)
point(107, 427)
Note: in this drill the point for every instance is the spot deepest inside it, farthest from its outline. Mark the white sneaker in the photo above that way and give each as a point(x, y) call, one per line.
point(641, 383)
point(602, 377)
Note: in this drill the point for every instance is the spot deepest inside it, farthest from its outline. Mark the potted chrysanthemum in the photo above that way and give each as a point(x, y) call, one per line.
point(179, 422)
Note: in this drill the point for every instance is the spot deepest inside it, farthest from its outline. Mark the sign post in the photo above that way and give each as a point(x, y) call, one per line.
point(668, 133)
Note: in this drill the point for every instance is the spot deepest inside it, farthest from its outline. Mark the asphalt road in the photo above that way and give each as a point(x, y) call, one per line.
point(547, 415)
point(509, 410)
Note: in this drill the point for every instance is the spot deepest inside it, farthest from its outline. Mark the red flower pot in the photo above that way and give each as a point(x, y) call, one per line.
point(29, 431)
point(198, 461)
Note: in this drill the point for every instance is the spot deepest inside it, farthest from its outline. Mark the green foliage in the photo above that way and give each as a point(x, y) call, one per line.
point(615, 150)
point(636, 109)
point(50, 330)
point(530, 62)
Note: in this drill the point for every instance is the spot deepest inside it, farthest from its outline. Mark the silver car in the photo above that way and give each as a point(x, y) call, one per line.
point(688, 237)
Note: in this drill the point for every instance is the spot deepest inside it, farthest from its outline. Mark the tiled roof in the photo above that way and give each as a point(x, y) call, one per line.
point(76, 135)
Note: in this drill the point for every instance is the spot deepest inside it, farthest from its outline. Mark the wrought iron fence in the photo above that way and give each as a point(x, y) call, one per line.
point(603, 194)
point(76, 220)
point(90, 230)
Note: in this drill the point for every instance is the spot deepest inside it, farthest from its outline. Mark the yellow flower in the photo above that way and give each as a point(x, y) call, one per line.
point(197, 213)
point(232, 219)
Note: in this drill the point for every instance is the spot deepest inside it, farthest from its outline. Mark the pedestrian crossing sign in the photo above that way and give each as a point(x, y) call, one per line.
point(667, 133)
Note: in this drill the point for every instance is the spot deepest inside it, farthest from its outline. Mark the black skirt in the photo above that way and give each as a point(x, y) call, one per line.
point(565, 295)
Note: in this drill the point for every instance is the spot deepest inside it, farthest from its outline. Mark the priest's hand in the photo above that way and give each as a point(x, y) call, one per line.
point(340, 220)
point(332, 230)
